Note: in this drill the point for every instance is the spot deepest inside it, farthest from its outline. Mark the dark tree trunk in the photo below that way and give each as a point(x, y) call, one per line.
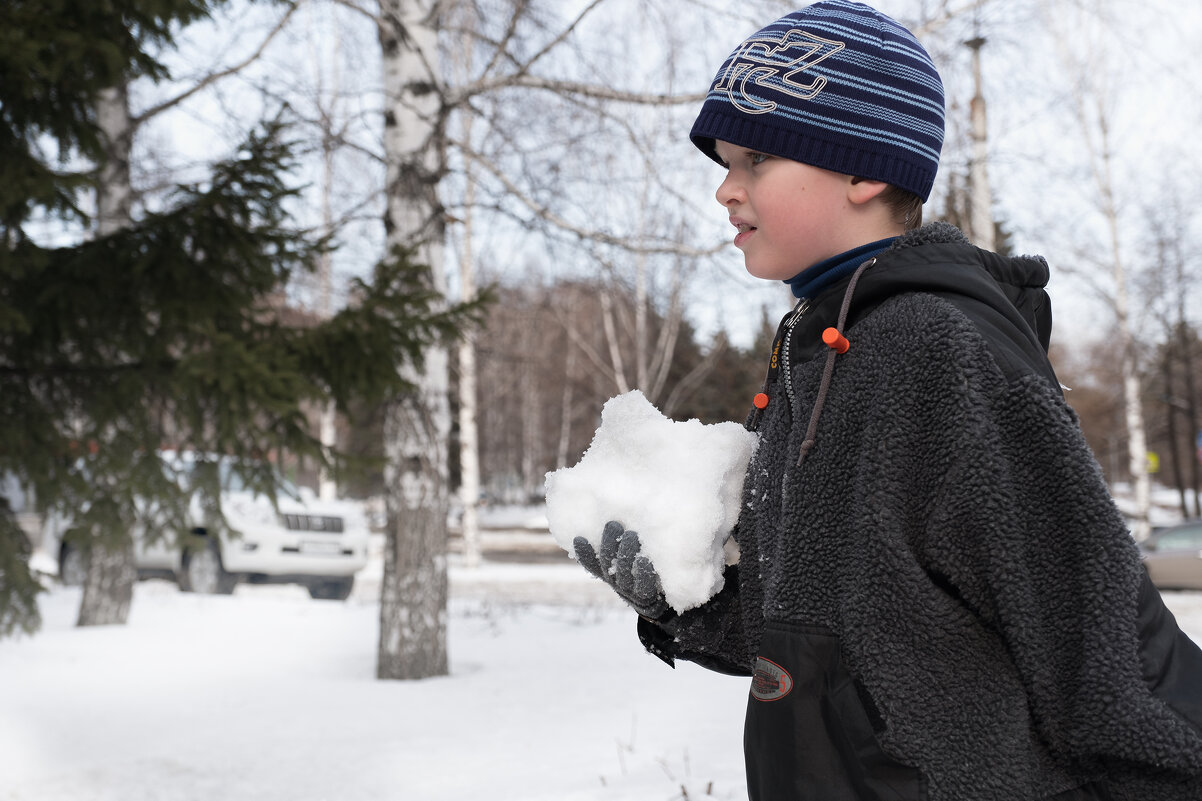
point(109, 586)
point(413, 597)
point(1187, 345)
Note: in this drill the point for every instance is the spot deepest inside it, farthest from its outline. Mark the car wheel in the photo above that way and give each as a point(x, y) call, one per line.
point(332, 589)
point(72, 566)
point(203, 572)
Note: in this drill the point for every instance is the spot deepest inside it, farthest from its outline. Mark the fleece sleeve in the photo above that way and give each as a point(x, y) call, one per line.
point(1022, 528)
point(712, 635)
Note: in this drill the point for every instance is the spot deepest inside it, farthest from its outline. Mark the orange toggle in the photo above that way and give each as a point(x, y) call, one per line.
point(834, 339)
point(760, 400)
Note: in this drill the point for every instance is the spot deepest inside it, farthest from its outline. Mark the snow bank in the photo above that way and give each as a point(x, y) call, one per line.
point(268, 695)
point(678, 484)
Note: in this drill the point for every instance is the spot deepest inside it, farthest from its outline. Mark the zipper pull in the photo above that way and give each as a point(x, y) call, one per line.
point(801, 308)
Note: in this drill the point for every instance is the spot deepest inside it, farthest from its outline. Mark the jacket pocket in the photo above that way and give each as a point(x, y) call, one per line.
point(810, 730)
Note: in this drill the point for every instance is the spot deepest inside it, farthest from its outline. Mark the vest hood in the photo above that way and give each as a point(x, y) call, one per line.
point(1004, 296)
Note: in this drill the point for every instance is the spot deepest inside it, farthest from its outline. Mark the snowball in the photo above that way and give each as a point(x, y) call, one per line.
point(678, 484)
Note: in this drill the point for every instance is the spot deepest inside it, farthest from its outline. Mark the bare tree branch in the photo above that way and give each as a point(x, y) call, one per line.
point(611, 338)
point(948, 15)
point(568, 322)
point(687, 385)
point(212, 78)
point(578, 88)
point(376, 19)
point(666, 344)
point(634, 245)
point(337, 136)
point(525, 68)
point(501, 48)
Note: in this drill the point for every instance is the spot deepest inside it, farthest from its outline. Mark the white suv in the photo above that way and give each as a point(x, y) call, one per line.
point(318, 544)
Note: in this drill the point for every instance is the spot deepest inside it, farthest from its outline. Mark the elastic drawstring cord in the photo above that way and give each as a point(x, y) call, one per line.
point(829, 368)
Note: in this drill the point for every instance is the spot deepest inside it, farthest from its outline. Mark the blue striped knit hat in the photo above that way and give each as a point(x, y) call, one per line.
point(836, 85)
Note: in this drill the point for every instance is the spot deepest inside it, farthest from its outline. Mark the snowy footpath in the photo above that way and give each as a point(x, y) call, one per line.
point(268, 695)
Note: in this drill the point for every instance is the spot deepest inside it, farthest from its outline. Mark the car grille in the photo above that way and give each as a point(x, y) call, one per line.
point(296, 522)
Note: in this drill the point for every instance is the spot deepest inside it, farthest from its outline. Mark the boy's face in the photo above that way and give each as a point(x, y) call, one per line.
point(789, 215)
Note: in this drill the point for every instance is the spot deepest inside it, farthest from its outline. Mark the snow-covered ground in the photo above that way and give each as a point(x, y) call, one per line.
point(1165, 503)
point(268, 695)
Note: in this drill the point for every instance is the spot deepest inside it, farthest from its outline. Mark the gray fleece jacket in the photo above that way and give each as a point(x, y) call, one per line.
point(941, 600)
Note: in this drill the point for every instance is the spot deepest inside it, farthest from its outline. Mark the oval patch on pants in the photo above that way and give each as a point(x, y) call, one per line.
point(771, 681)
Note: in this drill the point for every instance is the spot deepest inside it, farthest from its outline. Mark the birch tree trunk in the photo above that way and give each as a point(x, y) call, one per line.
point(114, 194)
point(413, 599)
point(109, 583)
point(327, 488)
point(469, 438)
point(533, 432)
point(469, 441)
point(566, 404)
point(1095, 80)
point(1137, 440)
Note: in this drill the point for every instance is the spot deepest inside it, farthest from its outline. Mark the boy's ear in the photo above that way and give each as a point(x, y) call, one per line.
point(862, 190)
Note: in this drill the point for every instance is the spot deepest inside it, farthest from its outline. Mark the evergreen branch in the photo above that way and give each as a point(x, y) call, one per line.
point(68, 369)
point(19, 598)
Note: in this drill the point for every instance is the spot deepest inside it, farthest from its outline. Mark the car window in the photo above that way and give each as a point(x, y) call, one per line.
point(1186, 539)
point(231, 479)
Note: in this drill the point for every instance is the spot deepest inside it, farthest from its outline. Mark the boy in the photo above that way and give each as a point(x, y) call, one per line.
point(936, 597)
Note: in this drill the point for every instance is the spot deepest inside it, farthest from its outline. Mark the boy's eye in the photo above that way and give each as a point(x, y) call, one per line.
point(750, 158)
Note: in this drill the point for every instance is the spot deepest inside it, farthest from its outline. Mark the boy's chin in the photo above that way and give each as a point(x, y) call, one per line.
point(769, 272)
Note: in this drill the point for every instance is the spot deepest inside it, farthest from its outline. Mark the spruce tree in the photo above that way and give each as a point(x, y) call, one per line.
point(166, 331)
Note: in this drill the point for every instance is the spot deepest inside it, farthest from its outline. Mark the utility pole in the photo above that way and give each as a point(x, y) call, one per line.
point(327, 488)
point(980, 198)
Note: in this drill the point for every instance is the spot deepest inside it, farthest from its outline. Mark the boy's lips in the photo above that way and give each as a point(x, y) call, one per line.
point(746, 229)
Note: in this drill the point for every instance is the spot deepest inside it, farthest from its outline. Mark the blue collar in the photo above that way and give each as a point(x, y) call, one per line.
point(812, 280)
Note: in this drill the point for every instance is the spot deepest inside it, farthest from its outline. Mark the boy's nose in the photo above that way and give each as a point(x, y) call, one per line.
point(729, 192)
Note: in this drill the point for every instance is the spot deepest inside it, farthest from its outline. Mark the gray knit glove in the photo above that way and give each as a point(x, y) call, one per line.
point(632, 576)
